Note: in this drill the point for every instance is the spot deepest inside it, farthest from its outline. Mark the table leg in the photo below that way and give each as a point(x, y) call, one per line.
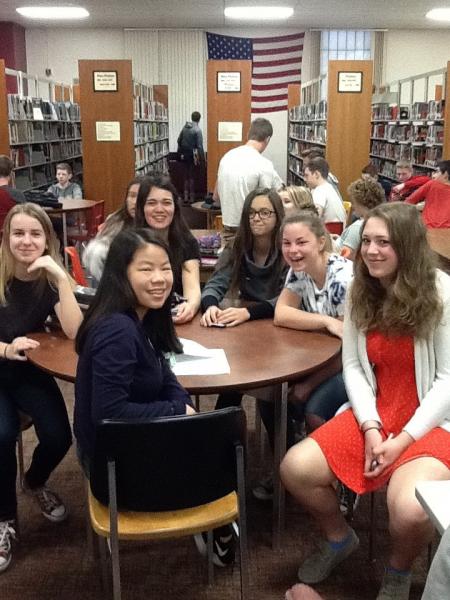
point(65, 240)
point(280, 407)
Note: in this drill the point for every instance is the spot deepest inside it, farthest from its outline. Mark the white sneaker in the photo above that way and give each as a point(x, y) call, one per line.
point(7, 533)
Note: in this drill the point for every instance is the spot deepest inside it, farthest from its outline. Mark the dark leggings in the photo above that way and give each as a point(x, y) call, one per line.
point(24, 387)
point(320, 407)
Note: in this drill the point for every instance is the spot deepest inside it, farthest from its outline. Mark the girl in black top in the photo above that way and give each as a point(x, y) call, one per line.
point(33, 284)
point(158, 207)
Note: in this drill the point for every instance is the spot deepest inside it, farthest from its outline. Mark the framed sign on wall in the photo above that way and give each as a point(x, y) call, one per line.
point(229, 81)
point(105, 81)
point(350, 82)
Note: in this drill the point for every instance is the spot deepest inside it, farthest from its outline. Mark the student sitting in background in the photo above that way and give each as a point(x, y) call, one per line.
point(158, 208)
point(317, 152)
point(327, 200)
point(295, 198)
point(64, 188)
point(253, 270)
point(6, 170)
point(371, 172)
point(408, 181)
point(94, 255)
point(33, 285)
point(436, 194)
point(397, 375)
point(364, 194)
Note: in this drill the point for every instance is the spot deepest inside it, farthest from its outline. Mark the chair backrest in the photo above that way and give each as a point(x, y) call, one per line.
point(6, 203)
point(94, 218)
point(348, 210)
point(335, 227)
point(169, 463)
point(77, 269)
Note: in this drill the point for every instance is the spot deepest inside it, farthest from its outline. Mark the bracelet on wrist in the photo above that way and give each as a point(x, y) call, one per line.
point(369, 428)
point(4, 352)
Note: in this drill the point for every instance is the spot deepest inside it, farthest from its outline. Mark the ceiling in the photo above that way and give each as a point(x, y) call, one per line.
point(203, 14)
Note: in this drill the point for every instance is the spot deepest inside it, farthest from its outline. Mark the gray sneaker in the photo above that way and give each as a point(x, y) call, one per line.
point(319, 565)
point(263, 490)
point(394, 586)
point(7, 533)
point(50, 504)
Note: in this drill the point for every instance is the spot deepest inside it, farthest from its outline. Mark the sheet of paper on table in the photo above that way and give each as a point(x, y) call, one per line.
point(198, 360)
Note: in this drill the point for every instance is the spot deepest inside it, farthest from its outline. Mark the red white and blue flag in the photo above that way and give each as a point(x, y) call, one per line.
point(276, 62)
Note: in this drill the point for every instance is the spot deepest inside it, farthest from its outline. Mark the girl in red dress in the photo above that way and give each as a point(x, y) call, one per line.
point(397, 374)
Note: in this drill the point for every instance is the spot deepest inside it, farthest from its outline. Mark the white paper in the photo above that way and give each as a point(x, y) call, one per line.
point(107, 131)
point(198, 360)
point(229, 131)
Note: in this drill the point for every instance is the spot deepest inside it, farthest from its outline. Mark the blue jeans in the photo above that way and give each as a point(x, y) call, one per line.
point(24, 387)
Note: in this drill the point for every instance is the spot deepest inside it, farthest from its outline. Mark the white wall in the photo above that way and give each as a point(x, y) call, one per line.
point(412, 52)
point(60, 49)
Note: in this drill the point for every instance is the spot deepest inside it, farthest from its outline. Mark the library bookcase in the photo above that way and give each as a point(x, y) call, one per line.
point(334, 114)
point(37, 133)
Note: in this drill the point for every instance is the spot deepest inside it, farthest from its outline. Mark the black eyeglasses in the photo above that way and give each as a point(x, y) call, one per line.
point(264, 213)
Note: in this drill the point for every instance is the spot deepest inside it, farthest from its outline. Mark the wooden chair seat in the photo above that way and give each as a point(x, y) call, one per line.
point(166, 524)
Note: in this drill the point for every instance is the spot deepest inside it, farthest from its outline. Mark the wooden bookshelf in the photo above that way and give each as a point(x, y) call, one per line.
point(139, 112)
point(37, 134)
point(414, 131)
point(337, 121)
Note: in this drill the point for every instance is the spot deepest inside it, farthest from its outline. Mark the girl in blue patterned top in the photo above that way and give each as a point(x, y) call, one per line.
point(313, 298)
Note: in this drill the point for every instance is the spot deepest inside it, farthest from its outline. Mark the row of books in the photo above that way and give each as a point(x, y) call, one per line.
point(25, 107)
point(295, 166)
point(309, 112)
point(149, 110)
point(313, 132)
point(432, 111)
point(151, 152)
point(408, 133)
point(36, 154)
point(296, 147)
point(146, 132)
point(23, 132)
point(159, 166)
point(418, 155)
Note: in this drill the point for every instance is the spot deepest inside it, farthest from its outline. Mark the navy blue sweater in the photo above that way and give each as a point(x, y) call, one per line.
point(121, 376)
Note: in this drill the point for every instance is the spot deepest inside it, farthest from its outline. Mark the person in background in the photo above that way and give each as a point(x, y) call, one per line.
point(371, 172)
point(436, 193)
point(295, 198)
point(158, 207)
point(408, 181)
point(94, 255)
point(33, 285)
point(64, 187)
point(316, 152)
point(122, 371)
point(397, 376)
point(242, 170)
point(313, 299)
point(191, 153)
point(327, 200)
point(6, 171)
point(364, 194)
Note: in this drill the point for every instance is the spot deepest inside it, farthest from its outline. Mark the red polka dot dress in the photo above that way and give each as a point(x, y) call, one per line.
point(341, 439)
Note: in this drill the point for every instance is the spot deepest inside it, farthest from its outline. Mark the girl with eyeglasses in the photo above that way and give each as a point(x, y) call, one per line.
point(253, 269)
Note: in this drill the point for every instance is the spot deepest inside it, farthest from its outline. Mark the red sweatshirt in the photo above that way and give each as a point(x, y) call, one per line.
point(409, 186)
point(436, 194)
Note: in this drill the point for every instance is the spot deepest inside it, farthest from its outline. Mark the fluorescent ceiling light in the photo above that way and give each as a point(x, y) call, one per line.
point(259, 13)
point(53, 12)
point(439, 14)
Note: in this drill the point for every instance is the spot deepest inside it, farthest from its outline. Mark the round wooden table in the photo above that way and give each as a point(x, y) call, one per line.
point(259, 355)
point(210, 213)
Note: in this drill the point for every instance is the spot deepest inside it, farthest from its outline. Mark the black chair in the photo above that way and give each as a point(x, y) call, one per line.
point(169, 478)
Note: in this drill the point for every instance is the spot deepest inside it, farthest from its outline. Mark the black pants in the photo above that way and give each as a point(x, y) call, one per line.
point(24, 387)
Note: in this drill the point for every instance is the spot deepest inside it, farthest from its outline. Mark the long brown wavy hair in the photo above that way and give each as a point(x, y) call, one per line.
point(411, 304)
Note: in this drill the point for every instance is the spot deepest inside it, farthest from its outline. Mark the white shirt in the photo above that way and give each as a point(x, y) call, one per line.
point(242, 170)
point(327, 199)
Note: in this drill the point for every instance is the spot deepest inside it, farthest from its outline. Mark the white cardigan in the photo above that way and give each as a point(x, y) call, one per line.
point(432, 367)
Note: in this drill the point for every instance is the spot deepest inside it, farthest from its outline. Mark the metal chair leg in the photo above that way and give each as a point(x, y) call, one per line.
point(243, 547)
point(103, 566)
point(372, 527)
point(21, 463)
point(209, 547)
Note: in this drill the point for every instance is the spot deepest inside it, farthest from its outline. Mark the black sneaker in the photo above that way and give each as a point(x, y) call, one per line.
point(263, 490)
point(224, 546)
point(7, 533)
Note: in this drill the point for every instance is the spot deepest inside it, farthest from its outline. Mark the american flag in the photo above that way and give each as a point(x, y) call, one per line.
point(276, 62)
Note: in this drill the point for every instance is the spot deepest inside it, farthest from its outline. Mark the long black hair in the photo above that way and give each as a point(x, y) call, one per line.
point(115, 294)
point(243, 243)
point(121, 218)
point(179, 234)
